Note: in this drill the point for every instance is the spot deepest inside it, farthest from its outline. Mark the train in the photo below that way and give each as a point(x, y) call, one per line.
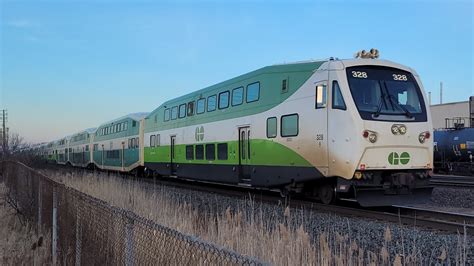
point(454, 151)
point(356, 129)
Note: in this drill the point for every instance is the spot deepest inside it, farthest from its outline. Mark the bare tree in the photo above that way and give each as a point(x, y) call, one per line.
point(16, 143)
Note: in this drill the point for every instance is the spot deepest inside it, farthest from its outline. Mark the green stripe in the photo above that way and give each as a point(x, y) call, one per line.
point(263, 152)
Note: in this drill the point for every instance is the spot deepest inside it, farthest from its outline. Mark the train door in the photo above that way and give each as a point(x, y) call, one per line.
point(172, 155)
point(244, 155)
point(83, 155)
point(122, 155)
point(321, 124)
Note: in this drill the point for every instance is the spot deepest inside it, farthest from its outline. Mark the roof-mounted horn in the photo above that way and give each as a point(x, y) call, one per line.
point(372, 54)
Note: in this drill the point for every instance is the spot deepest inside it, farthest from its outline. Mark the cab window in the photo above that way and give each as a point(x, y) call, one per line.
point(337, 99)
point(321, 96)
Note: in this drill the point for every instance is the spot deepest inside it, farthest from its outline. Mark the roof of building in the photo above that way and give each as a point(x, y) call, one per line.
point(451, 103)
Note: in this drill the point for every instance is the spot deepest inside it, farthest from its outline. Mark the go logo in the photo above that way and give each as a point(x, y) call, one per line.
point(199, 134)
point(395, 159)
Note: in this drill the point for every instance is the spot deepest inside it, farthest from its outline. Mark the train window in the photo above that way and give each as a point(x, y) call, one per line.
point(152, 140)
point(157, 142)
point(200, 106)
point(167, 115)
point(321, 96)
point(174, 112)
point(156, 119)
point(182, 111)
point(253, 92)
point(199, 152)
point(211, 103)
point(191, 108)
point(137, 142)
point(222, 151)
point(284, 86)
point(190, 152)
point(337, 99)
point(126, 125)
point(224, 99)
point(87, 147)
point(210, 152)
point(237, 96)
point(134, 123)
point(271, 127)
point(96, 147)
point(289, 125)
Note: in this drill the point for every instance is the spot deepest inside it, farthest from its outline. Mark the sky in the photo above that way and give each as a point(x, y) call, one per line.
point(71, 65)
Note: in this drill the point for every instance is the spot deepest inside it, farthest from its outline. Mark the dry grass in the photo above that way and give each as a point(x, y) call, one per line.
point(19, 243)
point(253, 233)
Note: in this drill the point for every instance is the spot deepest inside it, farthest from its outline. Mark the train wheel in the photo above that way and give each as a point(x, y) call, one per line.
point(326, 193)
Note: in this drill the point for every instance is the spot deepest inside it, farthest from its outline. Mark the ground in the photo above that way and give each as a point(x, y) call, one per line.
point(19, 243)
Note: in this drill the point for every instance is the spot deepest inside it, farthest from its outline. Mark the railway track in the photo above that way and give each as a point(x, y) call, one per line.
point(452, 181)
point(425, 219)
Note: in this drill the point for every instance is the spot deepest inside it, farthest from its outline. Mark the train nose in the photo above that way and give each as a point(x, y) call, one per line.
point(396, 157)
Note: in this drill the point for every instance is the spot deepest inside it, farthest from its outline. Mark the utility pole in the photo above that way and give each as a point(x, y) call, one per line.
point(4, 132)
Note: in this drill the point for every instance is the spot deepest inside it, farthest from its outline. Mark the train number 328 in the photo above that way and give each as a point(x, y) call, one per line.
point(359, 74)
point(399, 77)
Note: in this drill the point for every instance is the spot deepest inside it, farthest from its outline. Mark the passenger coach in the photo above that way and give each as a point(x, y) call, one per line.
point(355, 128)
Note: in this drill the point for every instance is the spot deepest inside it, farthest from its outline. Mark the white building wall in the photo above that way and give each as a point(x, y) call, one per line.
point(439, 113)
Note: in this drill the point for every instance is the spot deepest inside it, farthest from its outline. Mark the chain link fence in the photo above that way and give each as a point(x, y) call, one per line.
point(88, 231)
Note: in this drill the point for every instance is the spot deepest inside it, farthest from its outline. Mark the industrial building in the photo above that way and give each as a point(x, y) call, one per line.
point(455, 114)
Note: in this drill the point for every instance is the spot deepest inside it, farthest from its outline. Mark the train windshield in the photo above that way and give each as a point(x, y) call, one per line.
point(388, 94)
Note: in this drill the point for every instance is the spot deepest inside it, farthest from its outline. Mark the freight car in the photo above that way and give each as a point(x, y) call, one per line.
point(454, 151)
point(357, 128)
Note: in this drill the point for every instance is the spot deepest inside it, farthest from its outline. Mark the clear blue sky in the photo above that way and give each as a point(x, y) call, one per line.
point(70, 66)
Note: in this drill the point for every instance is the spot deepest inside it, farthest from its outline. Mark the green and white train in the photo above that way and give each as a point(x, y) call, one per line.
point(357, 128)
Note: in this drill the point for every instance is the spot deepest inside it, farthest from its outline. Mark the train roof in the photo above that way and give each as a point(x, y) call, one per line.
point(133, 116)
point(311, 65)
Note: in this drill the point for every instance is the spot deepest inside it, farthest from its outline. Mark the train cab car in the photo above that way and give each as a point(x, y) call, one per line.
point(80, 145)
point(117, 144)
point(380, 147)
point(357, 128)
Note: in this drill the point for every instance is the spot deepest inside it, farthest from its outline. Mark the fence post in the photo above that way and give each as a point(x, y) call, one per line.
point(78, 234)
point(40, 206)
point(55, 225)
point(128, 240)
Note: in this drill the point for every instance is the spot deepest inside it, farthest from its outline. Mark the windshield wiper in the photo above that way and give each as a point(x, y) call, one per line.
point(393, 100)
point(381, 101)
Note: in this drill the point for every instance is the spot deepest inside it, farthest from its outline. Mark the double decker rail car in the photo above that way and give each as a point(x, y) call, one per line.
point(81, 150)
point(356, 128)
point(117, 145)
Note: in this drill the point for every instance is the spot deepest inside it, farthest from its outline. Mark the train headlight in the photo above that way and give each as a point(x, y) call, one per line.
point(424, 136)
point(402, 129)
point(370, 135)
point(399, 129)
point(395, 130)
